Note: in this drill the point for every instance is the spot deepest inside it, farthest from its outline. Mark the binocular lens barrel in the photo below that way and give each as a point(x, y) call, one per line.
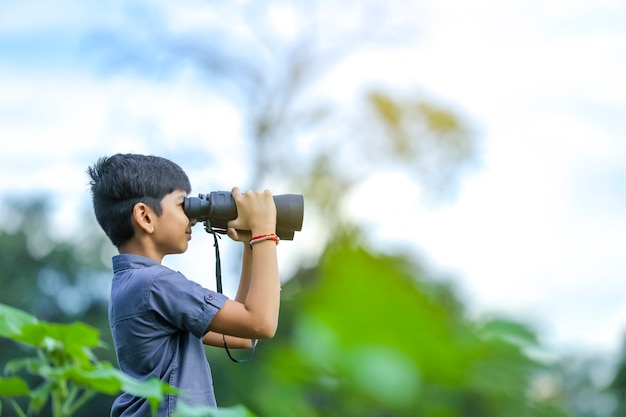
point(218, 207)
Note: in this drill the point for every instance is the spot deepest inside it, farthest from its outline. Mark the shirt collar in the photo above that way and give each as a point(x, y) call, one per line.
point(131, 261)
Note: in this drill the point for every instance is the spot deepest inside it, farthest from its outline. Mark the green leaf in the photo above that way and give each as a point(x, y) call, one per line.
point(104, 378)
point(184, 410)
point(386, 107)
point(236, 411)
point(63, 343)
point(345, 295)
point(507, 330)
point(16, 365)
point(73, 336)
point(13, 320)
point(13, 386)
point(151, 389)
point(439, 119)
point(384, 374)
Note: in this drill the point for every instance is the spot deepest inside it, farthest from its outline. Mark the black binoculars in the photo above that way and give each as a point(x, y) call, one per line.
point(218, 207)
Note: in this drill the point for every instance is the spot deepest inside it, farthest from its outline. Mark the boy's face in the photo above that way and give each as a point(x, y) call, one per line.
point(172, 230)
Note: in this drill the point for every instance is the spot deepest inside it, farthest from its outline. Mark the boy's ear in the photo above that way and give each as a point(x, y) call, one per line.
point(143, 217)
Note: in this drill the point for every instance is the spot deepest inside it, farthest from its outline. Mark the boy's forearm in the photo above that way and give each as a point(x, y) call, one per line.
point(263, 298)
point(246, 273)
point(254, 311)
point(233, 342)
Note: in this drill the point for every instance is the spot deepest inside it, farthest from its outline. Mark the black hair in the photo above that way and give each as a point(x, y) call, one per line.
point(120, 181)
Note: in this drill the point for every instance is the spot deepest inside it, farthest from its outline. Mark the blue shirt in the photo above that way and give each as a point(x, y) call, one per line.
point(157, 319)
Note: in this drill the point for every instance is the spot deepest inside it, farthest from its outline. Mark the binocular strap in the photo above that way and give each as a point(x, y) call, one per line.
point(218, 283)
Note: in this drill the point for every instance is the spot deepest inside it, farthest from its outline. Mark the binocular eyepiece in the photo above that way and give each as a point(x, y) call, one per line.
point(218, 207)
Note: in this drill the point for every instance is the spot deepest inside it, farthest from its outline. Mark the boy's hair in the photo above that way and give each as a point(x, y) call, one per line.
point(120, 181)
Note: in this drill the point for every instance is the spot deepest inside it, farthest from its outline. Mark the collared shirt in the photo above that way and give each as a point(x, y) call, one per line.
point(157, 319)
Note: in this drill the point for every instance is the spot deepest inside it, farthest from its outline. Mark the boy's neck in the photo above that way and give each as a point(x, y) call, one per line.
point(137, 248)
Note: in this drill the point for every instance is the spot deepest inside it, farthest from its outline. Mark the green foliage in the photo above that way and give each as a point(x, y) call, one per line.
point(13, 386)
point(183, 410)
point(65, 363)
point(429, 141)
point(367, 334)
point(69, 372)
point(56, 280)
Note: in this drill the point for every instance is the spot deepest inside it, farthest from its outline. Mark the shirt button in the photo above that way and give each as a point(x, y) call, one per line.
point(208, 298)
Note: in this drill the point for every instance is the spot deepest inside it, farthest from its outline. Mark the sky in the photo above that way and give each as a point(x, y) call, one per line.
point(536, 230)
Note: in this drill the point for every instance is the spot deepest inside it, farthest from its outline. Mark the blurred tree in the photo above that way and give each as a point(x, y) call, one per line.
point(584, 384)
point(618, 384)
point(54, 280)
point(361, 334)
point(367, 334)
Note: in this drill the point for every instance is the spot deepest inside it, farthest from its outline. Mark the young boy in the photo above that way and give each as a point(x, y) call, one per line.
point(159, 319)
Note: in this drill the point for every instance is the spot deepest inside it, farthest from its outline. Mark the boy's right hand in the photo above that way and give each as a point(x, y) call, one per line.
point(256, 211)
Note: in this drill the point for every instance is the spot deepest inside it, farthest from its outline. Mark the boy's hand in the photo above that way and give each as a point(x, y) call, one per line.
point(239, 235)
point(256, 212)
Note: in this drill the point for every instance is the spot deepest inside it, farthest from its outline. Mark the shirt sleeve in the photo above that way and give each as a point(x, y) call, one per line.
point(185, 304)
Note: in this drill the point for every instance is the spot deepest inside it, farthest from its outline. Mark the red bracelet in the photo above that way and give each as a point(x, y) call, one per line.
point(261, 238)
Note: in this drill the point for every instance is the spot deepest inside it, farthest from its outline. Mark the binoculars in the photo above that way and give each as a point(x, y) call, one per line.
point(218, 207)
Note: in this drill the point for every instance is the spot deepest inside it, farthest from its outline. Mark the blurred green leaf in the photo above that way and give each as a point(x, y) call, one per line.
point(103, 378)
point(387, 108)
point(72, 336)
point(30, 364)
point(371, 334)
point(510, 331)
point(390, 309)
point(13, 386)
point(383, 373)
point(438, 119)
point(184, 410)
point(13, 320)
point(152, 389)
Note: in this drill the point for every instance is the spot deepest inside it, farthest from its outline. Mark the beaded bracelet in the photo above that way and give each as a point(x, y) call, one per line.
point(261, 238)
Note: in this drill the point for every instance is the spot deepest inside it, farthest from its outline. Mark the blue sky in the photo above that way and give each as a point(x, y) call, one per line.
point(537, 231)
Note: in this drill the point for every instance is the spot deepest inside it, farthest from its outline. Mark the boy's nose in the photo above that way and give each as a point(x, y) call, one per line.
point(193, 222)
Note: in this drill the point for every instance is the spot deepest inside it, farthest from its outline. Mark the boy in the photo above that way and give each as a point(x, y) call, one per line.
point(159, 319)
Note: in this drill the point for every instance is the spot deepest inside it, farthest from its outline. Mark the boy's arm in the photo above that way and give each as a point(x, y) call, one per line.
point(254, 312)
point(217, 339)
point(246, 271)
point(233, 342)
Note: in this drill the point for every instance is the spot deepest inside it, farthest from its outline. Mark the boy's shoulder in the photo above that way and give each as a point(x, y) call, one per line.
point(132, 272)
point(135, 278)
